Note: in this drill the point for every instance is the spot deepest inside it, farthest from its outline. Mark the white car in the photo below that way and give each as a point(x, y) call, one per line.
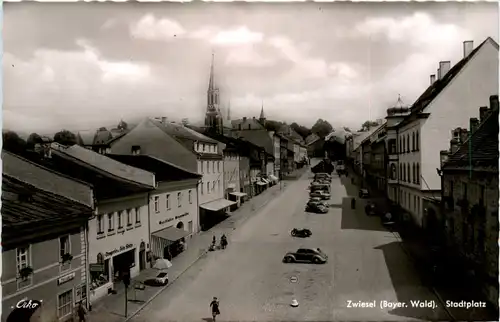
point(162, 278)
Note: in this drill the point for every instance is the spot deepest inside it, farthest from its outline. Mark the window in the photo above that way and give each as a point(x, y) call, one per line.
point(413, 141)
point(409, 173)
point(218, 166)
point(208, 187)
point(65, 304)
point(64, 245)
point(22, 258)
point(400, 147)
point(136, 150)
point(401, 171)
point(129, 217)
point(249, 127)
point(464, 190)
point(157, 204)
point(414, 172)
point(137, 215)
point(208, 166)
point(213, 166)
point(403, 149)
point(218, 184)
point(120, 219)
point(416, 142)
point(168, 200)
point(213, 185)
point(111, 221)
point(203, 147)
point(239, 127)
point(190, 197)
point(408, 143)
point(481, 195)
point(201, 188)
point(100, 224)
point(179, 199)
point(418, 173)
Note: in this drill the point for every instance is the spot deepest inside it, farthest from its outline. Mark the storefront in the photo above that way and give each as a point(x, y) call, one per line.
point(213, 212)
point(168, 243)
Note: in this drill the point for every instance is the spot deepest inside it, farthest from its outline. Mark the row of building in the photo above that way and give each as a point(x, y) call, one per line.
point(76, 218)
point(448, 188)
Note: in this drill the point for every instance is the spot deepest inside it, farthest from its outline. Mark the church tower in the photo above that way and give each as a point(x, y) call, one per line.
point(213, 117)
point(262, 118)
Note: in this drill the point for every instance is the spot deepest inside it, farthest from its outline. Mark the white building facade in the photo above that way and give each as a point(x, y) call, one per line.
point(277, 154)
point(423, 134)
point(211, 167)
point(117, 236)
point(173, 212)
point(231, 173)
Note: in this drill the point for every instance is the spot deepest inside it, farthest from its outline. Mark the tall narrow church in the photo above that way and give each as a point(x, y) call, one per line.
point(213, 117)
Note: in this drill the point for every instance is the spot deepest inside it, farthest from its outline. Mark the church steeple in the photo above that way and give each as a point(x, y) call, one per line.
point(213, 119)
point(262, 118)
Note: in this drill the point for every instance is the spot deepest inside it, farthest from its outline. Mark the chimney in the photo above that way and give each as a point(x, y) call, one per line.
point(494, 102)
point(439, 73)
point(444, 67)
point(244, 118)
point(443, 156)
point(483, 112)
point(474, 124)
point(163, 119)
point(464, 135)
point(433, 78)
point(453, 145)
point(468, 47)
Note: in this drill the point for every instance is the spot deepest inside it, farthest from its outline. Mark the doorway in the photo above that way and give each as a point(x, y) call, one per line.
point(142, 256)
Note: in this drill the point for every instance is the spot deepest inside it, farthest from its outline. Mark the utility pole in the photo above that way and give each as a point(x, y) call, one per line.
point(126, 282)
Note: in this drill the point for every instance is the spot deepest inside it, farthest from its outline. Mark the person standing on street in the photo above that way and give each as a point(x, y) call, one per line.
point(215, 308)
point(81, 313)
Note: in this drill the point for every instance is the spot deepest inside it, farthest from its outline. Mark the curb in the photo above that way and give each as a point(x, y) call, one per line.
point(408, 253)
point(164, 287)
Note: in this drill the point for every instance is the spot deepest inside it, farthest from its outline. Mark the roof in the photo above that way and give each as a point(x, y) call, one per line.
point(483, 147)
point(105, 164)
point(163, 170)
point(102, 137)
point(182, 132)
point(253, 122)
point(86, 137)
point(260, 138)
point(440, 84)
point(312, 138)
point(46, 179)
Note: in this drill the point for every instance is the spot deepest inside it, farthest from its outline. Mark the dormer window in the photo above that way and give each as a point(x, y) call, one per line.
point(136, 150)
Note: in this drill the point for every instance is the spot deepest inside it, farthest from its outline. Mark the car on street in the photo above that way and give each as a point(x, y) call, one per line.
point(363, 193)
point(306, 255)
point(320, 194)
point(316, 208)
point(317, 201)
point(162, 278)
point(303, 232)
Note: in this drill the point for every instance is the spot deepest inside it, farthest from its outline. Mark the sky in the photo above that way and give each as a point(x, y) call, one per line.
point(80, 66)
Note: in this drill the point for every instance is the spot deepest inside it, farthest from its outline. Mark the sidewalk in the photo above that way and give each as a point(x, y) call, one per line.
point(112, 307)
point(415, 245)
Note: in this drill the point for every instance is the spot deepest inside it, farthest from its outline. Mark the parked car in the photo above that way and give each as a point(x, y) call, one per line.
point(306, 255)
point(320, 194)
point(162, 278)
point(317, 201)
point(304, 232)
point(371, 209)
point(363, 193)
point(316, 208)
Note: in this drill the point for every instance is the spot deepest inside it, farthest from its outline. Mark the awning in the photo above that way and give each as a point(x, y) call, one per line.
point(264, 180)
point(231, 186)
point(238, 194)
point(273, 177)
point(260, 183)
point(217, 205)
point(171, 234)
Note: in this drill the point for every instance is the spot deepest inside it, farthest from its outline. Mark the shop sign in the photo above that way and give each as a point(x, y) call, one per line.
point(116, 250)
point(66, 278)
point(161, 222)
point(98, 268)
point(183, 215)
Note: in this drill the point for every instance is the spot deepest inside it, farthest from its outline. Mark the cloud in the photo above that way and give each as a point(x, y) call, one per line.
point(151, 28)
point(247, 56)
point(237, 36)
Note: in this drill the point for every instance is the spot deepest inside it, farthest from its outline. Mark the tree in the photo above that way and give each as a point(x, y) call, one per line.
point(65, 137)
point(122, 125)
point(13, 143)
point(322, 128)
point(367, 125)
point(301, 130)
point(271, 125)
point(33, 139)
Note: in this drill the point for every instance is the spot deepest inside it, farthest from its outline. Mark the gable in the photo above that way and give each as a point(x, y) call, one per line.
point(155, 142)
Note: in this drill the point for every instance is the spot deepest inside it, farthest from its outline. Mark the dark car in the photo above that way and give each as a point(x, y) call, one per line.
point(371, 209)
point(317, 201)
point(304, 232)
point(306, 255)
point(316, 208)
point(363, 193)
point(320, 194)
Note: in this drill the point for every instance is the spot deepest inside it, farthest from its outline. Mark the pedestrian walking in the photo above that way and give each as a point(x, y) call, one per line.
point(81, 313)
point(214, 305)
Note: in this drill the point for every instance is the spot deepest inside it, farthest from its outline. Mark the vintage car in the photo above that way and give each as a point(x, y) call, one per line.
point(306, 255)
point(363, 193)
point(316, 208)
point(303, 232)
point(320, 194)
point(317, 201)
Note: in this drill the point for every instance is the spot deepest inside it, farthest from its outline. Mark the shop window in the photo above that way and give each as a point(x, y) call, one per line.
point(190, 196)
point(179, 199)
point(129, 217)
point(168, 201)
point(157, 204)
point(111, 221)
point(99, 274)
point(65, 304)
point(100, 224)
point(137, 215)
